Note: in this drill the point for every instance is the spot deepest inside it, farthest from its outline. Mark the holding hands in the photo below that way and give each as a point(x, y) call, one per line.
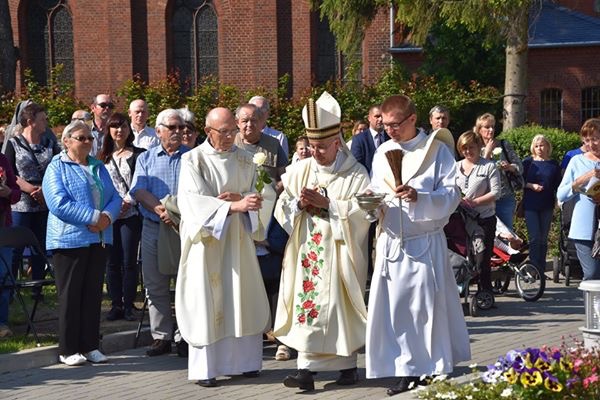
point(103, 223)
point(250, 202)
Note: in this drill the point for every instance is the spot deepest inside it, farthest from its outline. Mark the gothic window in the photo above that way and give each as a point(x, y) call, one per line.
point(49, 32)
point(590, 103)
point(551, 108)
point(195, 40)
point(331, 63)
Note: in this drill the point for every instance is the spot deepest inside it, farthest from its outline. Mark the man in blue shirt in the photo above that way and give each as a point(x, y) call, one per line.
point(156, 176)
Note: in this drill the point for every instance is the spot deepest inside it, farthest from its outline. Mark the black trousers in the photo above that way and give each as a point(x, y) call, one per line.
point(79, 278)
point(489, 231)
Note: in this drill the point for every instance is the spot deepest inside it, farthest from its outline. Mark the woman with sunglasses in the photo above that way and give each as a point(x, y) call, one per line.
point(119, 157)
point(83, 204)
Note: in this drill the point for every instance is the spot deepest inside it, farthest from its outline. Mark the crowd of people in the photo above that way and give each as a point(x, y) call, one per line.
point(261, 246)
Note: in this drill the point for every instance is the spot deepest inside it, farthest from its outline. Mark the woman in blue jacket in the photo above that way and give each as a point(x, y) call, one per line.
point(581, 173)
point(83, 203)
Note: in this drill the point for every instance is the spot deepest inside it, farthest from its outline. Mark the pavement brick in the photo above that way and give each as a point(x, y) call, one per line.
point(130, 374)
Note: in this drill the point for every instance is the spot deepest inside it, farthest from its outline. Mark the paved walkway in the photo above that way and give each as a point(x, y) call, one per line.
point(131, 375)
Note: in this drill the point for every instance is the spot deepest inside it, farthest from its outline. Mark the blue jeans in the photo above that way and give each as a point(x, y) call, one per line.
point(589, 265)
point(122, 270)
point(36, 221)
point(6, 255)
point(538, 226)
point(505, 210)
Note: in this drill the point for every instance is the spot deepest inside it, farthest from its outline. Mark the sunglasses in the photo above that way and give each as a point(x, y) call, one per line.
point(83, 139)
point(173, 127)
point(106, 105)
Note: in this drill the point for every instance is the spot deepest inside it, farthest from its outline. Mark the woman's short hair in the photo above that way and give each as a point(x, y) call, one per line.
point(483, 119)
point(589, 127)
point(543, 138)
point(75, 126)
point(29, 113)
point(466, 139)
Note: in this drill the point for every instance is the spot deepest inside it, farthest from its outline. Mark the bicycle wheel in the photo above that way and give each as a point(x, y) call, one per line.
point(530, 282)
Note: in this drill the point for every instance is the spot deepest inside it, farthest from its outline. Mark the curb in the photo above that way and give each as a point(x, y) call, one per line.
point(48, 355)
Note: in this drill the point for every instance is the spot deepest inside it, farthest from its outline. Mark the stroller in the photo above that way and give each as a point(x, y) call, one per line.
point(465, 247)
point(510, 258)
point(568, 264)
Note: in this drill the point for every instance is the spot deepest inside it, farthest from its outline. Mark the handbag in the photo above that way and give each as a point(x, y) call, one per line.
point(516, 181)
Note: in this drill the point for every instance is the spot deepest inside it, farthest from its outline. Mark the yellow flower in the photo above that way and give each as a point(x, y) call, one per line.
point(553, 385)
point(533, 379)
point(511, 376)
point(566, 365)
point(542, 365)
point(259, 158)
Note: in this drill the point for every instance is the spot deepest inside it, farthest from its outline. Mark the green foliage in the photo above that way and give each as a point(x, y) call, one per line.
point(8, 103)
point(159, 95)
point(477, 61)
point(562, 141)
point(57, 96)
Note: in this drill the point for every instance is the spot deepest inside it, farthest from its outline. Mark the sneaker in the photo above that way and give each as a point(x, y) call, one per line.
point(5, 331)
point(72, 360)
point(159, 347)
point(114, 314)
point(96, 357)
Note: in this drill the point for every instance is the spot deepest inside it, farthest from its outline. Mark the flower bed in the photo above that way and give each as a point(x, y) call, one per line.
point(532, 373)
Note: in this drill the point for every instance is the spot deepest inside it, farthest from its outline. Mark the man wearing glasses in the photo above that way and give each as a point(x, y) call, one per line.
point(415, 324)
point(157, 176)
point(102, 107)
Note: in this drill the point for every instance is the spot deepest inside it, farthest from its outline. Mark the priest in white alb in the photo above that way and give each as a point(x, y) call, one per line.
point(416, 325)
point(321, 310)
point(220, 299)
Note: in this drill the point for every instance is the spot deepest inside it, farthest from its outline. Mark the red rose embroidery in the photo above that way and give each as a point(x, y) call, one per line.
point(313, 313)
point(317, 238)
point(315, 271)
point(305, 263)
point(301, 318)
point(308, 286)
point(308, 304)
point(312, 255)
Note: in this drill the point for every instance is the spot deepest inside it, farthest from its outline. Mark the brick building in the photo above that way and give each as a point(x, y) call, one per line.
point(254, 42)
point(245, 43)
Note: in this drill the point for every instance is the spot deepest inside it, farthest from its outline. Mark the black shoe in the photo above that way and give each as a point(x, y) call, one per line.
point(251, 374)
point(403, 385)
point(212, 382)
point(348, 377)
point(128, 315)
point(182, 348)
point(303, 380)
point(159, 347)
point(115, 313)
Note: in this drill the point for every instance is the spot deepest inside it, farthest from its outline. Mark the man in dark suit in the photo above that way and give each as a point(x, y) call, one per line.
point(365, 143)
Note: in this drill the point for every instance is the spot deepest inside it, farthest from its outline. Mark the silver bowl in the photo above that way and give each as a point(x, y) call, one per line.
point(370, 202)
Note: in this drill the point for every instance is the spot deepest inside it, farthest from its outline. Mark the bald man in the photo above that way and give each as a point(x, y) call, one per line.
point(220, 299)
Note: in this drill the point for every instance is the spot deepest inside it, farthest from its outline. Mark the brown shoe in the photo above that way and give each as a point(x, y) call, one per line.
point(159, 347)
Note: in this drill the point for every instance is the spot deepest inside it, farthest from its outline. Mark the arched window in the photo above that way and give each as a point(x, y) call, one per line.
point(551, 108)
point(195, 40)
point(590, 103)
point(49, 30)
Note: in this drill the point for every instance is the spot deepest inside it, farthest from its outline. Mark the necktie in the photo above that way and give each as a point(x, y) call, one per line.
point(377, 140)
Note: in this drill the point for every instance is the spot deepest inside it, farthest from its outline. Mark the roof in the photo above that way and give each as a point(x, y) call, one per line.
point(553, 26)
point(557, 26)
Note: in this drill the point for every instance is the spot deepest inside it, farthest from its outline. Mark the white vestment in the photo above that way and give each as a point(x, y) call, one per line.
point(220, 299)
point(321, 311)
point(416, 324)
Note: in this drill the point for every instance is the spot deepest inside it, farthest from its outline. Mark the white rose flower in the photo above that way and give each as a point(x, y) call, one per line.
point(497, 151)
point(259, 158)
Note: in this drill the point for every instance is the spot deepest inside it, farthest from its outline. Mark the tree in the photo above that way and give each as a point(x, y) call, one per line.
point(8, 60)
point(497, 19)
